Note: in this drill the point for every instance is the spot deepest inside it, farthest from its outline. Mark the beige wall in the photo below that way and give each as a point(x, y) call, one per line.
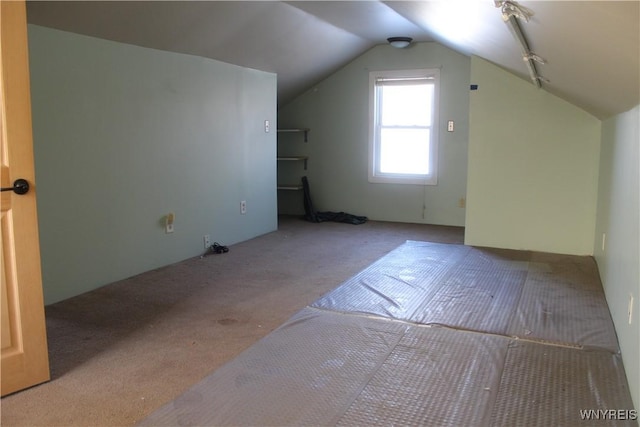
point(618, 218)
point(533, 167)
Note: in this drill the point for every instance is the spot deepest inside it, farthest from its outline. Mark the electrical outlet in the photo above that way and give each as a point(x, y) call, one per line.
point(207, 241)
point(168, 225)
point(243, 207)
point(630, 309)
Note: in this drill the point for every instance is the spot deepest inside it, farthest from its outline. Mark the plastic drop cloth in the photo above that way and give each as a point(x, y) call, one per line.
point(545, 297)
point(430, 334)
point(325, 368)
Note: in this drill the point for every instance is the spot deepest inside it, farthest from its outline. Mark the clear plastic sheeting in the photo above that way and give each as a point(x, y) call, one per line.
point(325, 368)
point(480, 300)
point(397, 284)
point(529, 295)
point(548, 386)
point(553, 311)
point(307, 372)
point(434, 376)
point(430, 334)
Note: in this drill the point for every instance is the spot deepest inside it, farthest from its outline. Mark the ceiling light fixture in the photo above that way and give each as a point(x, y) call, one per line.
point(512, 12)
point(533, 57)
point(512, 8)
point(400, 42)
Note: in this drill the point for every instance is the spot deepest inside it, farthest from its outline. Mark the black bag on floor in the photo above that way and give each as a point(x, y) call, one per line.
point(311, 215)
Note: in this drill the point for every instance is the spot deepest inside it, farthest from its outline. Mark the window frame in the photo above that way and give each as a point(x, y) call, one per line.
point(375, 175)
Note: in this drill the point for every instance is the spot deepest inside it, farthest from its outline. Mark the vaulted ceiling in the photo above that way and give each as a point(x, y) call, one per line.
point(591, 48)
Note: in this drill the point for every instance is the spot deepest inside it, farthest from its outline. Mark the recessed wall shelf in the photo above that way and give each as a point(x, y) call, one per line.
point(294, 159)
point(305, 130)
point(288, 173)
point(290, 187)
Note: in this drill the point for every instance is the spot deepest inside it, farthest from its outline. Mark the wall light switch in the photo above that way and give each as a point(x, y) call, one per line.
point(450, 126)
point(266, 126)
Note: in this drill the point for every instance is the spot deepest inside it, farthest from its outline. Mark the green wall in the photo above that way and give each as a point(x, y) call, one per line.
point(337, 111)
point(533, 167)
point(123, 135)
point(618, 218)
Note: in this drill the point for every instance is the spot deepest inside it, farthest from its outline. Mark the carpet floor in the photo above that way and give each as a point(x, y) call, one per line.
point(122, 351)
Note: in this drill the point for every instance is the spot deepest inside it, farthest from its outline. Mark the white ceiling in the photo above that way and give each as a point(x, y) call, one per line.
point(592, 48)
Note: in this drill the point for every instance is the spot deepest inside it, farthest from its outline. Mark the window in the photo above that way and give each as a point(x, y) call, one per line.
point(403, 132)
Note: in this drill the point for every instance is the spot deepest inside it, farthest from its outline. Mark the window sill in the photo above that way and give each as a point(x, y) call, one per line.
point(413, 180)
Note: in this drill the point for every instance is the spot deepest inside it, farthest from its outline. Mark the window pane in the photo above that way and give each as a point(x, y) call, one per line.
point(406, 105)
point(404, 151)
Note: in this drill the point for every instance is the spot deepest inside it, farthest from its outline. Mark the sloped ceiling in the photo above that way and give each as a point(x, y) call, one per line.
point(592, 48)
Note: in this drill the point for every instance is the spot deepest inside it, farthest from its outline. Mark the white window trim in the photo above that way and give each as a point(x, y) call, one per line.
point(374, 175)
